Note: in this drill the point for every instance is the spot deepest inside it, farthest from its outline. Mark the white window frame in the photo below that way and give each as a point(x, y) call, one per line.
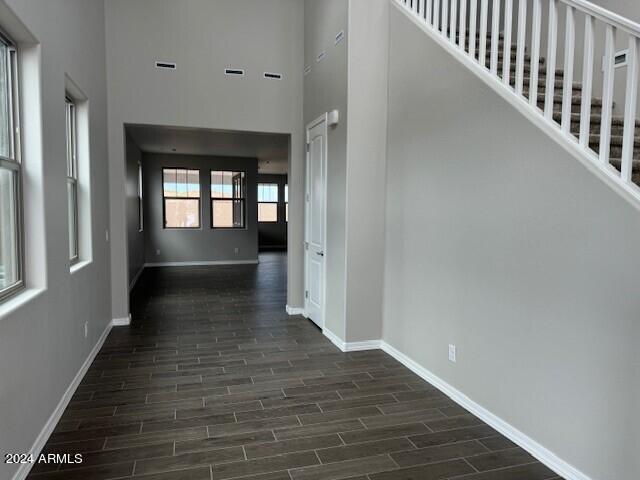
point(71, 130)
point(166, 197)
point(140, 200)
point(238, 197)
point(276, 202)
point(286, 203)
point(14, 164)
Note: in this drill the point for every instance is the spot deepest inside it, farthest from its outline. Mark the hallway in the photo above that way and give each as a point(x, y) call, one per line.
point(213, 380)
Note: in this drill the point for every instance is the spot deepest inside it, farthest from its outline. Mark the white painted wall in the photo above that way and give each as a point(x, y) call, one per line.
point(626, 8)
point(325, 89)
point(42, 344)
point(500, 242)
point(203, 38)
point(353, 79)
point(366, 167)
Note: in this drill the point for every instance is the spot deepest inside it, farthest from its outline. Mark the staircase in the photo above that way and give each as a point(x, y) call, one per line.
point(447, 19)
point(617, 122)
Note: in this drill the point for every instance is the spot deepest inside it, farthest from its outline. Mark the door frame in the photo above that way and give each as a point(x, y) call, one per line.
point(324, 118)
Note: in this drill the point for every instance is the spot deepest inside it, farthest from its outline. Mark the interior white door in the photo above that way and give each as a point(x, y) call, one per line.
point(315, 221)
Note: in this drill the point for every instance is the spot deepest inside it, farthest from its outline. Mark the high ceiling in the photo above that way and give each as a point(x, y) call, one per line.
point(271, 150)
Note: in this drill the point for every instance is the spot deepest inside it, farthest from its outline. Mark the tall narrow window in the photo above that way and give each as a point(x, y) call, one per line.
point(72, 178)
point(228, 199)
point(11, 279)
point(140, 200)
point(181, 191)
point(267, 202)
point(286, 203)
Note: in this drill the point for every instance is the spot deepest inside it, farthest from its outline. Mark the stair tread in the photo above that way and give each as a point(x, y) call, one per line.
point(615, 139)
point(595, 118)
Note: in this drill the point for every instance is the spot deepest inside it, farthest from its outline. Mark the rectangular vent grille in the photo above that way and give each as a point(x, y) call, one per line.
point(620, 59)
point(321, 56)
point(166, 65)
point(273, 76)
point(339, 36)
point(235, 72)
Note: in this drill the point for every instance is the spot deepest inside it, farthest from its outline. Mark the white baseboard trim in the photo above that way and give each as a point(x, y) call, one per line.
point(53, 420)
point(121, 322)
point(350, 346)
point(361, 346)
point(200, 264)
point(135, 279)
point(337, 341)
point(295, 310)
point(544, 455)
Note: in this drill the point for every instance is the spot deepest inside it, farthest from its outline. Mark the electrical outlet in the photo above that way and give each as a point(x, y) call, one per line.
point(236, 250)
point(86, 329)
point(158, 252)
point(452, 353)
point(106, 235)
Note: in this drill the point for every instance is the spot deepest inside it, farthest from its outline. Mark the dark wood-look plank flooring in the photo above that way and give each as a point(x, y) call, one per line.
point(213, 381)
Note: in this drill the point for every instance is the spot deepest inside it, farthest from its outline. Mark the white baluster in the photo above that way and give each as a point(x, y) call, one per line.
point(569, 53)
point(421, 8)
point(453, 23)
point(429, 12)
point(631, 102)
point(495, 36)
point(482, 56)
point(535, 52)
point(436, 14)
point(552, 51)
point(607, 94)
point(506, 58)
point(587, 80)
point(473, 16)
point(462, 36)
point(522, 38)
point(445, 17)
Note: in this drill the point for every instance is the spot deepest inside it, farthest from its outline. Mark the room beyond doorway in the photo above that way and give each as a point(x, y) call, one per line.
point(196, 197)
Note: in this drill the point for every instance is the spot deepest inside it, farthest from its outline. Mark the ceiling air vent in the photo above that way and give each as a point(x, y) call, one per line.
point(273, 76)
point(166, 65)
point(234, 72)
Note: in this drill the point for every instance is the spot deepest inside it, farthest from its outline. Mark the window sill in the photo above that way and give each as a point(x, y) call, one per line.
point(76, 267)
point(18, 301)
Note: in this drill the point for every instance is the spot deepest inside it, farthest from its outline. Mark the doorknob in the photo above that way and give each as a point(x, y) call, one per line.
point(320, 253)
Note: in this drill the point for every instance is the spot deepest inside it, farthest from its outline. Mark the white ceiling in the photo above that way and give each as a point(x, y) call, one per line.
point(271, 150)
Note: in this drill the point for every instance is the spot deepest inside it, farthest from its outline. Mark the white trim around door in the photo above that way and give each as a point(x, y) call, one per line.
point(315, 221)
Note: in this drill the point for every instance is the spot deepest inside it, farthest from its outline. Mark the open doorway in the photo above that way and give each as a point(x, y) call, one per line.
point(205, 198)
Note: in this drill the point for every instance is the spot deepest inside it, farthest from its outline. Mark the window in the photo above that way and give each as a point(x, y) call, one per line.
point(181, 191)
point(286, 203)
point(140, 204)
point(11, 279)
point(228, 198)
point(72, 178)
point(267, 202)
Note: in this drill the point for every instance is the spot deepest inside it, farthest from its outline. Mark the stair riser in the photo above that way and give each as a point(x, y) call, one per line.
point(527, 58)
point(594, 128)
point(557, 85)
point(557, 91)
point(616, 151)
point(575, 108)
